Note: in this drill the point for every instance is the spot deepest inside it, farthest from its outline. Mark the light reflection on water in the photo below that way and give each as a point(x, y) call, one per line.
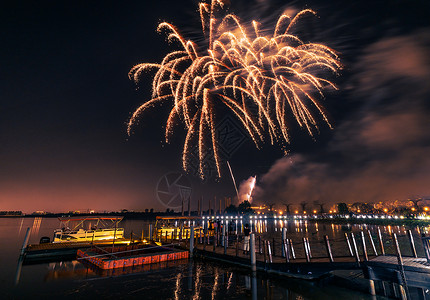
point(169, 280)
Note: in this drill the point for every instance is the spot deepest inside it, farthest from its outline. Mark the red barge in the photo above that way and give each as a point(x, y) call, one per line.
point(129, 256)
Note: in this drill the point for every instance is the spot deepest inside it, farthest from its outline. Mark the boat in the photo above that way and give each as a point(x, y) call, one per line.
point(77, 233)
point(88, 229)
point(176, 227)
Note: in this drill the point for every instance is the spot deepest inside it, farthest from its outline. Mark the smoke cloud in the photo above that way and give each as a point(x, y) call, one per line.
point(381, 152)
point(246, 189)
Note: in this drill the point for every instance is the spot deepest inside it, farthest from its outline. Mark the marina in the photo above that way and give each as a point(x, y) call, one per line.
point(369, 258)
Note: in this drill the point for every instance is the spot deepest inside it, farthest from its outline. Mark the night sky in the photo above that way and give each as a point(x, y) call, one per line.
point(66, 98)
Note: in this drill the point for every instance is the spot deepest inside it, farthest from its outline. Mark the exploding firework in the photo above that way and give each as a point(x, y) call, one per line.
point(246, 189)
point(264, 80)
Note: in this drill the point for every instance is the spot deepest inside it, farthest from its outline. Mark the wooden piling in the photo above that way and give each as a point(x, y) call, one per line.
point(191, 240)
point(357, 256)
point(293, 253)
point(25, 242)
point(283, 241)
point(381, 242)
point(285, 250)
point(252, 250)
point(309, 247)
point(363, 243)
point(372, 243)
point(412, 244)
point(327, 245)
point(269, 252)
point(403, 289)
point(349, 245)
point(237, 244)
point(305, 247)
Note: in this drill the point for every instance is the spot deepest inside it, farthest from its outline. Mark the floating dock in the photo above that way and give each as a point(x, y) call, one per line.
point(129, 256)
point(35, 253)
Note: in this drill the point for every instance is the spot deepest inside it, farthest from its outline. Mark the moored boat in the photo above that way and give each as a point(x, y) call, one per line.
point(88, 229)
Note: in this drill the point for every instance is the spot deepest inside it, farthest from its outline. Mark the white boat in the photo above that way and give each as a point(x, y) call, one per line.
point(88, 229)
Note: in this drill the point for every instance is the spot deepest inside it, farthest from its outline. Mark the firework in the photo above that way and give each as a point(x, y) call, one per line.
point(264, 80)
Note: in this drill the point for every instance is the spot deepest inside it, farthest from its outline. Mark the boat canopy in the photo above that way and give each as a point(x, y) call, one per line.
point(97, 222)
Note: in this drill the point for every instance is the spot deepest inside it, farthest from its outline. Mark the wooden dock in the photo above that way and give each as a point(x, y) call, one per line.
point(389, 274)
point(317, 269)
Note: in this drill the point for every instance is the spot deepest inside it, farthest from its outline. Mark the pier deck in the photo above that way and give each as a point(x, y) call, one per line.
point(297, 268)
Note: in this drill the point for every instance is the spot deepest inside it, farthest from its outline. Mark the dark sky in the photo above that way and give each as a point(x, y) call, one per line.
point(66, 97)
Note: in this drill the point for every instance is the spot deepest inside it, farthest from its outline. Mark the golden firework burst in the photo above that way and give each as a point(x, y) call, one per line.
point(264, 80)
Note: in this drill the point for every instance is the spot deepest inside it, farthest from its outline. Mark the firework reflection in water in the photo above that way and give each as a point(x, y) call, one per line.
point(262, 79)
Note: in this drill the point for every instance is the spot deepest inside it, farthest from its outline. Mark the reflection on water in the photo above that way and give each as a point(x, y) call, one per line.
point(36, 226)
point(168, 280)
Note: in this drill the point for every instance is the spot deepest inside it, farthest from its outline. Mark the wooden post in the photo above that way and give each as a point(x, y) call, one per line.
point(309, 247)
point(114, 236)
point(237, 244)
point(269, 251)
point(25, 242)
point(363, 243)
point(327, 245)
point(259, 244)
point(412, 243)
point(223, 235)
point(285, 250)
point(372, 243)
point(357, 256)
point(283, 240)
point(204, 238)
point(306, 250)
point(381, 242)
point(349, 245)
point(214, 238)
point(252, 249)
point(403, 292)
point(372, 290)
point(191, 240)
point(293, 253)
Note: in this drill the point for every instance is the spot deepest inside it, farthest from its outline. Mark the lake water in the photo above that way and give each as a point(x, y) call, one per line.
point(174, 280)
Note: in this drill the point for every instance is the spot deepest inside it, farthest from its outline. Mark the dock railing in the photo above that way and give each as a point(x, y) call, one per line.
point(357, 246)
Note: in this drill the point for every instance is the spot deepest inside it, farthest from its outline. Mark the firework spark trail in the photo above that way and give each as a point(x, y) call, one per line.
point(275, 75)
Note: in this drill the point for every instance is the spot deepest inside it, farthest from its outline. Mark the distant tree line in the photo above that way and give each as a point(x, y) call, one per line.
point(11, 213)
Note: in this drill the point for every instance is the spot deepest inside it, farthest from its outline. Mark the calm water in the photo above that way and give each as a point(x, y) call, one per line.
point(173, 280)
